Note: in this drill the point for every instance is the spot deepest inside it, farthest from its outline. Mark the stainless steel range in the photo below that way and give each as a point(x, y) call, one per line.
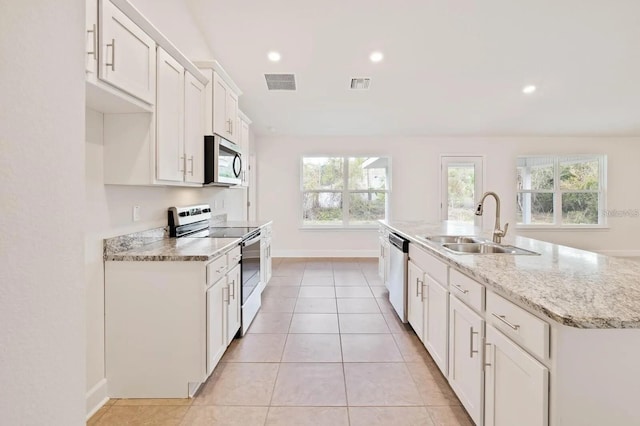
point(193, 222)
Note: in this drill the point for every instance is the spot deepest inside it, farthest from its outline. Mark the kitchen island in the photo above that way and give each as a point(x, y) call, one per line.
point(552, 338)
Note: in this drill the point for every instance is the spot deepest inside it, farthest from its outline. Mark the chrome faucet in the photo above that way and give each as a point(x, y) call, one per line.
point(497, 232)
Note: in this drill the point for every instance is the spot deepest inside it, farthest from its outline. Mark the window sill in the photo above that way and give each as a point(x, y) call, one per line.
point(534, 228)
point(339, 228)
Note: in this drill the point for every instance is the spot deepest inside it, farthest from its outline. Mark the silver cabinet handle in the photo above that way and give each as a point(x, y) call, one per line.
point(183, 160)
point(460, 289)
point(93, 32)
point(486, 345)
point(113, 55)
point(503, 319)
point(191, 159)
point(419, 284)
point(471, 351)
point(225, 295)
point(232, 286)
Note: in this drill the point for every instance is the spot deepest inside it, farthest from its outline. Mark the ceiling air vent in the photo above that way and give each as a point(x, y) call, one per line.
point(360, 83)
point(281, 81)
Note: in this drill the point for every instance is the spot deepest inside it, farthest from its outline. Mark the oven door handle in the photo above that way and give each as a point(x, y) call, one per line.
point(251, 241)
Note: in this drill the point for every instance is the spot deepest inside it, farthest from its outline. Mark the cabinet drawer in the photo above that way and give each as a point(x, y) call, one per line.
point(429, 264)
point(468, 290)
point(216, 269)
point(233, 257)
point(522, 327)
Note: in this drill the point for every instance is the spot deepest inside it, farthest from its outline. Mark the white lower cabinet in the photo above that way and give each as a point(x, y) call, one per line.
point(516, 385)
point(216, 323)
point(436, 322)
point(167, 348)
point(233, 303)
point(465, 357)
point(415, 304)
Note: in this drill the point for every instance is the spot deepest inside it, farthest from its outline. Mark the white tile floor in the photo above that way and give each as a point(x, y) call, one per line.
point(325, 349)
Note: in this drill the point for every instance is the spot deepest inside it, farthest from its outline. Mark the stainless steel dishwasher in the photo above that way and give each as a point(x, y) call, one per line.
point(399, 255)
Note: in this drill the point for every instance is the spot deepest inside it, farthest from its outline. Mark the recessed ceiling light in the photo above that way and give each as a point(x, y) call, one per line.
point(376, 56)
point(274, 56)
point(527, 90)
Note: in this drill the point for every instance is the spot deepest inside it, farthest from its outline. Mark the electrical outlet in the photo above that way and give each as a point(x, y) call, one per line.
point(215, 204)
point(136, 213)
point(222, 204)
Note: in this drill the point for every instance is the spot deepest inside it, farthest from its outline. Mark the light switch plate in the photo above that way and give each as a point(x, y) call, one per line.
point(136, 213)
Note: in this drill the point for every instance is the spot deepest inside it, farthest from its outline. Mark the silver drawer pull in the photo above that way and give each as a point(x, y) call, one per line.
point(237, 258)
point(460, 289)
point(419, 284)
point(220, 269)
point(502, 318)
point(94, 45)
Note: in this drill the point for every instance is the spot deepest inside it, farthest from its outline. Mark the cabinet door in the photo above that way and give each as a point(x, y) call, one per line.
point(216, 323)
point(170, 119)
point(232, 116)
point(91, 39)
point(127, 54)
point(465, 357)
point(436, 322)
point(234, 303)
point(415, 305)
point(221, 91)
point(386, 249)
point(244, 144)
point(194, 96)
point(517, 386)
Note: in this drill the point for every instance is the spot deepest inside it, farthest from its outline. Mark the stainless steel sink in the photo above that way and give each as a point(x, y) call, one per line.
point(455, 239)
point(486, 248)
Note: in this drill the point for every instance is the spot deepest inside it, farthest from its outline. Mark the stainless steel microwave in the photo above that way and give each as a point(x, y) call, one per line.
point(222, 161)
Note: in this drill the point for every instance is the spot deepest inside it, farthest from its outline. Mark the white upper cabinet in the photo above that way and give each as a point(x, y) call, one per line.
point(225, 110)
point(194, 98)
point(244, 146)
point(91, 39)
point(170, 119)
point(127, 55)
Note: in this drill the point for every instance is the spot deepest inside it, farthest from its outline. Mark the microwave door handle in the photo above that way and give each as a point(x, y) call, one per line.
point(239, 169)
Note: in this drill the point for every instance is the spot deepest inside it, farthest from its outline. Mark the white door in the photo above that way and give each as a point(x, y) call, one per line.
point(216, 323)
point(234, 303)
point(170, 119)
point(415, 305)
point(465, 357)
point(436, 322)
point(461, 188)
point(127, 54)
point(194, 96)
point(516, 385)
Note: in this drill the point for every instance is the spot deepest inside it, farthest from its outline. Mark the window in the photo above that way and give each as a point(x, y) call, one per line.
point(344, 191)
point(461, 188)
point(566, 191)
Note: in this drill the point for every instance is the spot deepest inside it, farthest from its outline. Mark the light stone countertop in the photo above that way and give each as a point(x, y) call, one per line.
point(176, 249)
point(573, 287)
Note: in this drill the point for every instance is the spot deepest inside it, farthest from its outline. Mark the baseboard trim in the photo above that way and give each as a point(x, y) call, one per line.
point(326, 253)
point(620, 253)
point(96, 397)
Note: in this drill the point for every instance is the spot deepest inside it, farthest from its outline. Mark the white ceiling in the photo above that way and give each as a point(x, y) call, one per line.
point(451, 67)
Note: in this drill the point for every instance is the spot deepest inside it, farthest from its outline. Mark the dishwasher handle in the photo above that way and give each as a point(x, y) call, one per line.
point(399, 242)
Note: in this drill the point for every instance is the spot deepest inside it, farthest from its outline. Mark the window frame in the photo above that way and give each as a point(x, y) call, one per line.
point(557, 194)
point(345, 191)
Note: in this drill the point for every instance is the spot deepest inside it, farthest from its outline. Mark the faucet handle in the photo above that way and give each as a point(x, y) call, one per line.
point(504, 232)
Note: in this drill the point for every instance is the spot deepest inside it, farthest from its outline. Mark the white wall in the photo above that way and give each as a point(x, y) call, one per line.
point(42, 304)
point(173, 19)
point(109, 213)
point(416, 191)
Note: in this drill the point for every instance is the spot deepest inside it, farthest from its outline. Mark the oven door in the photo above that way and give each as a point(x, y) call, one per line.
point(250, 266)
